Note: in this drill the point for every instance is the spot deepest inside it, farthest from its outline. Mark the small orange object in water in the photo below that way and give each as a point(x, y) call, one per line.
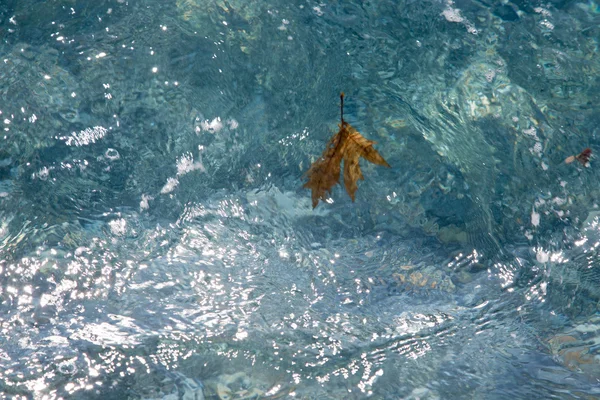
point(582, 157)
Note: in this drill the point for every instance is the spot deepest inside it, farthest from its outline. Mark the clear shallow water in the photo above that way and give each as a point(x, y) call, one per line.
point(155, 240)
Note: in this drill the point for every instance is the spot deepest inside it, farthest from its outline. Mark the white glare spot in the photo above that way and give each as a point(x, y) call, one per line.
point(535, 218)
point(531, 132)
point(213, 126)
point(144, 203)
point(112, 154)
point(452, 14)
point(233, 124)
point(547, 24)
point(85, 137)
point(100, 55)
point(241, 335)
point(542, 256)
point(186, 164)
point(542, 11)
point(44, 173)
point(118, 226)
point(170, 185)
point(154, 70)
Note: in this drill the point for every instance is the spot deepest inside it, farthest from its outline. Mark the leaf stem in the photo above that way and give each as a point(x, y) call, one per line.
point(342, 107)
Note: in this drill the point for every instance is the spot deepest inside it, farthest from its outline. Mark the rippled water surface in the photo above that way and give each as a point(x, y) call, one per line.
point(156, 241)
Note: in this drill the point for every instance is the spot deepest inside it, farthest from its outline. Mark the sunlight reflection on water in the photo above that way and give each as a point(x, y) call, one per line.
point(155, 241)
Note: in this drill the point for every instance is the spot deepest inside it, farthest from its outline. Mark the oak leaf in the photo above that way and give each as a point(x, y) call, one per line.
point(348, 145)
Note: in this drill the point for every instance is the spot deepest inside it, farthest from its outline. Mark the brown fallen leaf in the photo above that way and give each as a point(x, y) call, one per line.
point(348, 145)
point(584, 156)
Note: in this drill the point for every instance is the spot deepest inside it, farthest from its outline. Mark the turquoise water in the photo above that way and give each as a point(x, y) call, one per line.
point(156, 241)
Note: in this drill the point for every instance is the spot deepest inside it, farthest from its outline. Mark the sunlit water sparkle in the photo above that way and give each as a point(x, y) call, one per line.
point(156, 241)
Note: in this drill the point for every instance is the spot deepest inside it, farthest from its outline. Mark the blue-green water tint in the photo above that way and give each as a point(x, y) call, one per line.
point(156, 241)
